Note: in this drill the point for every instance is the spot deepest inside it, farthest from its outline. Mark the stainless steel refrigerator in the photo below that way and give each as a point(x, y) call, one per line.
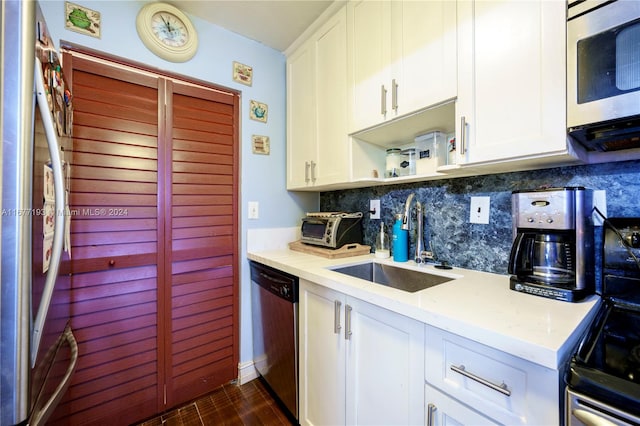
point(38, 351)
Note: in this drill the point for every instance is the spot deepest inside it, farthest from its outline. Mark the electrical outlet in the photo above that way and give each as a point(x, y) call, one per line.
point(479, 211)
point(374, 209)
point(599, 202)
point(253, 210)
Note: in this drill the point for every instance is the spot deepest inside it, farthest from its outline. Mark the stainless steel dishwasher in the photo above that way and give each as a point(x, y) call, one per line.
point(274, 298)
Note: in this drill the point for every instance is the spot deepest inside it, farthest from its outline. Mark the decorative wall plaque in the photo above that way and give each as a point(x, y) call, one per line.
point(260, 144)
point(258, 111)
point(242, 73)
point(82, 19)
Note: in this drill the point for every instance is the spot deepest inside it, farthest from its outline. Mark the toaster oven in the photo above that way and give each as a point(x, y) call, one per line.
point(332, 229)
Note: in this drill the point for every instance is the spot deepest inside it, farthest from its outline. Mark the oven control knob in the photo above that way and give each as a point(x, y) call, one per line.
point(635, 240)
point(550, 220)
point(530, 220)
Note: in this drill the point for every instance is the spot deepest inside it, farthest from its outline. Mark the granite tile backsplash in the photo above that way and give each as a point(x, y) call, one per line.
point(446, 205)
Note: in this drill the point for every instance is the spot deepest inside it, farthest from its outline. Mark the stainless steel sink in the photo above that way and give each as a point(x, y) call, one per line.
point(401, 278)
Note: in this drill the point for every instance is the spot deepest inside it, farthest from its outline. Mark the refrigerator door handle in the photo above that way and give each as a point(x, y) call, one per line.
point(58, 230)
point(40, 417)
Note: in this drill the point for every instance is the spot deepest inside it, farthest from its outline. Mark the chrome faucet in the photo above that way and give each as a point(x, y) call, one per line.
point(406, 225)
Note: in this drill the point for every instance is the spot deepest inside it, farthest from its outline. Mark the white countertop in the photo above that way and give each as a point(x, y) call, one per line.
point(476, 305)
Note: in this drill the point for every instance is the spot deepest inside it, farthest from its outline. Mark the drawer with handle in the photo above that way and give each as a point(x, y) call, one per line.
point(443, 410)
point(503, 387)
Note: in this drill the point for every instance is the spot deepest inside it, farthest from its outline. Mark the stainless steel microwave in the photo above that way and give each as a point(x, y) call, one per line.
point(603, 73)
point(332, 229)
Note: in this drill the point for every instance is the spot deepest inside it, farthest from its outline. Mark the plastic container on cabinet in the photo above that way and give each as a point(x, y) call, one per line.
point(431, 152)
point(451, 150)
point(408, 163)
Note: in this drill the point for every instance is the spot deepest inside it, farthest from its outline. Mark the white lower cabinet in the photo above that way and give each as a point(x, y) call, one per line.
point(359, 364)
point(504, 388)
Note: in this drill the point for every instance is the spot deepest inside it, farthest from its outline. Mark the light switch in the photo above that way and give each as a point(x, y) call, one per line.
point(253, 210)
point(479, 211)
point(374, 209)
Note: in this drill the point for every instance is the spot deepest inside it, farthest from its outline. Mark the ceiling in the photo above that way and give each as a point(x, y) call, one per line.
point(275, 23)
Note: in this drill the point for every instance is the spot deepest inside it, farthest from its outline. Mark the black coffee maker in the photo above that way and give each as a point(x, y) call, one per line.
point(552, 254)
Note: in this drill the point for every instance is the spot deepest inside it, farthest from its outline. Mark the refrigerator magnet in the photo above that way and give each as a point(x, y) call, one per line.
point(49, 194)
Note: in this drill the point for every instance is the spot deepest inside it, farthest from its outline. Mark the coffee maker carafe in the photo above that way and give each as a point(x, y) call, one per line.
point(552, 253)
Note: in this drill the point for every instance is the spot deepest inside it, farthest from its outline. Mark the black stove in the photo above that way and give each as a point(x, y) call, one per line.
point(606, 366)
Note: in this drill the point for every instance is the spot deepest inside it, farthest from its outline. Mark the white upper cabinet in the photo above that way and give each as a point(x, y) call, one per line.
point(331, 101)
point(317, 142)
point(511, 80)
point(369, 56)
point(401, 58)
point(424, 37)
point(300, 116)
point(379, 73)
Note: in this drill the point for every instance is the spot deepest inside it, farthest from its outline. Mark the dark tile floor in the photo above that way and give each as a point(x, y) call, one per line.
point(230, 405)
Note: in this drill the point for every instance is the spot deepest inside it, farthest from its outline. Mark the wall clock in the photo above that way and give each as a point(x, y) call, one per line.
point(167, 32)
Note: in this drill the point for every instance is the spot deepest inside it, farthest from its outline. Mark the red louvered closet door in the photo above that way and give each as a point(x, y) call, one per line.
point(203, 231)
point(114, 243)
point(154, 242)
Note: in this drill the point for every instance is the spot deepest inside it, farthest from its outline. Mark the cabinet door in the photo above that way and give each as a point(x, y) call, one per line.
point(442, 410)
point(385, 366)
point(331, 102)
point(369, 72)
point(300, 117)
point(511, 79)
point(424, 46)
point(322, 356)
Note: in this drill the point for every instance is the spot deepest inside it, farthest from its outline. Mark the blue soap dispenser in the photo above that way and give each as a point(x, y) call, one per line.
point(400, 241)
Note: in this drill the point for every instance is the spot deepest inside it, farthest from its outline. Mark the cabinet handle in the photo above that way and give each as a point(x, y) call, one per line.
point(394, 95)
point(347, 322)
point(306, 171)
point(431, 408)
point(313, 171)
point(463, 135)
point(383, 100)
point(336, 316)
point(503, 388)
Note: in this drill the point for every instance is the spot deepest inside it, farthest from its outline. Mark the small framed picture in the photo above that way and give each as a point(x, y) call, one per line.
point(242, 73)
point(81, 19)
point(260, 144)
point(258, 111)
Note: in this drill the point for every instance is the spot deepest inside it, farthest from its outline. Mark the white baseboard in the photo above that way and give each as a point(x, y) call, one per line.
point(246, 372)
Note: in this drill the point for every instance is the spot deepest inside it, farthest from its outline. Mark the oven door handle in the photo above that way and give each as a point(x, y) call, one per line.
point(591, 419)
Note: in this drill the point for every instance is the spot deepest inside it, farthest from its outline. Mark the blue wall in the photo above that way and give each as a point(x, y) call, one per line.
point(485, 247)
